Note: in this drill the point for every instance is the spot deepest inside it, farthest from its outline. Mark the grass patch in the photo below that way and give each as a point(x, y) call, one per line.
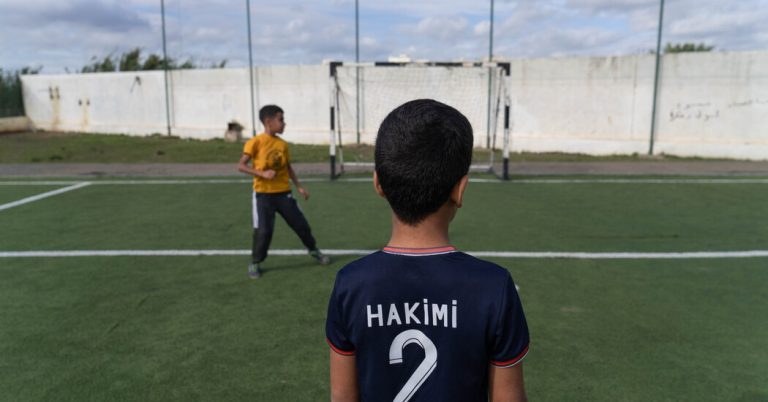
point(50, 147)
point(15, 193)
point(56, 147)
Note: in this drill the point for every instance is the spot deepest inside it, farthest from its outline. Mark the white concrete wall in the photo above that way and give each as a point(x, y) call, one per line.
point(202, 102)
point(714, 105)
point(598, 105)
point(710, 104)
point(130, 103)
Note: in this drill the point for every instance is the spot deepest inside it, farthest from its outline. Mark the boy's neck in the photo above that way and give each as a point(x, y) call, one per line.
point(431, 232)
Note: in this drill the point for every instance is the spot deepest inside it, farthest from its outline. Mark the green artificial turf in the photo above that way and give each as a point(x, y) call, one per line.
point(162, 329)
point(196, 328)
point(645, 330)
point(496, 216)
point(15, 193)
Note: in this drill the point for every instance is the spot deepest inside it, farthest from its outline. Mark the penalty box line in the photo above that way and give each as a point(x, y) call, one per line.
point(43, 195)
point(354, 252)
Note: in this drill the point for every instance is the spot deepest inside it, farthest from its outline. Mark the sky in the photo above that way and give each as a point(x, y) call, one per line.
point(64, 35)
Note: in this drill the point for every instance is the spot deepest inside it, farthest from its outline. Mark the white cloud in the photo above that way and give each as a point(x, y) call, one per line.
point(295, 25)
point(442, 28)
point(482, 28)
point(612, 6)
point(562, 43)
point(710, 24)
point(68, 33)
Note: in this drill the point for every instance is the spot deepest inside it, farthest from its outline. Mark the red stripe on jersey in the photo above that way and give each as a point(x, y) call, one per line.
point(513, 361)
point(430, 250)
point(339, 351)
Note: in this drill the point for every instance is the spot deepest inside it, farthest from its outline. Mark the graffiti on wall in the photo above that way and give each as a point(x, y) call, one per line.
point(703, 111)
point(748, 103)
point(706, 111)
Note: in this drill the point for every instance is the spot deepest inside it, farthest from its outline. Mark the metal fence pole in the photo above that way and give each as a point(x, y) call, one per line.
point(357, 68)
point(250, 66)
point(490, 59)
point(165, 71)
point(656, 79)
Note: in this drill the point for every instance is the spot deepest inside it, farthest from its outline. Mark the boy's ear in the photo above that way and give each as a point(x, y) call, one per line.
point(457, 194)
point(377, 186)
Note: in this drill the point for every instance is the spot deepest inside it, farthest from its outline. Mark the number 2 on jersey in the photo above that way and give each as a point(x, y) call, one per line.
point(426, 367)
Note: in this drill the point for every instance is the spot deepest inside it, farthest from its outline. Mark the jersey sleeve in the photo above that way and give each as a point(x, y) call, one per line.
point(336, 331)
point(511, 336)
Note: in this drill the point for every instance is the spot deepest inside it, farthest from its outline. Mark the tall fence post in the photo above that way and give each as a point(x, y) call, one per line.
point(165, 72)
point(656, 80)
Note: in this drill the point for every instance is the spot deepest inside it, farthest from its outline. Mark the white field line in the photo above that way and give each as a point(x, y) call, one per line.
point(368, 180)
point(641, 181)
point(485, 254)
point(127, 182)
point(43, 195)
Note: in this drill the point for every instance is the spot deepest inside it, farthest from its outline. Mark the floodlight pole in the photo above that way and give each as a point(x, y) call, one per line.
point(250, 65)
point(490, 75)
point(165, 71)
point(656, 79)
point(357, 67)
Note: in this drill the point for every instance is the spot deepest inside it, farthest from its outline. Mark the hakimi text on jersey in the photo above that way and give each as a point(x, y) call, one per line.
point(422, 313)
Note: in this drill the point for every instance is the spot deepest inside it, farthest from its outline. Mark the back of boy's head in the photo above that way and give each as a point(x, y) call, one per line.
point(423, 148)
point(269, 111)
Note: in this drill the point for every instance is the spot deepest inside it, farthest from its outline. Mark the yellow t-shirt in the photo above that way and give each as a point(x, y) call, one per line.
point(269, 152)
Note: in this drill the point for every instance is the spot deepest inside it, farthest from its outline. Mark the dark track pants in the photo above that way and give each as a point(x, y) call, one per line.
point(264, 208)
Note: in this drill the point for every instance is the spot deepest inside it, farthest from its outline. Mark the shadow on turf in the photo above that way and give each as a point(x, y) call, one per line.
point(308, 264)
point(336, 264)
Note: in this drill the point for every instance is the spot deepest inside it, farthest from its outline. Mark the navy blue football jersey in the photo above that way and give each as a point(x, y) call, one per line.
point(424, 324)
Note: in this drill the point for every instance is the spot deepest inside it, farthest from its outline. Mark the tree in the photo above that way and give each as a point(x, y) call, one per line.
point(155, 62)
point(99, 66)
point(188, 65)
point(687, 47)
point(131, 60)
point(11, 103)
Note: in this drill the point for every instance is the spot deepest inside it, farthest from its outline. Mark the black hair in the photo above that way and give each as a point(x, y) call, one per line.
point(423, 149)
point(269, 111)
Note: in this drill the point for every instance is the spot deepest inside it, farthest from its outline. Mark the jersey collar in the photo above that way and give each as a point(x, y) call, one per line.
point(419, 252)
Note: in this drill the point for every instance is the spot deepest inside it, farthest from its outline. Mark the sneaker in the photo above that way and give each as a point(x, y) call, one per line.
point(320, 257)
point(254, 271)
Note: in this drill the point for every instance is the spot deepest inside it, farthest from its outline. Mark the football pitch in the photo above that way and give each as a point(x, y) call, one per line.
point(649, 289)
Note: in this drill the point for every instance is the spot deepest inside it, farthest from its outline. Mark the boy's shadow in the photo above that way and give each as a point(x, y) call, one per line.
point(295, 265)
point(335, 264)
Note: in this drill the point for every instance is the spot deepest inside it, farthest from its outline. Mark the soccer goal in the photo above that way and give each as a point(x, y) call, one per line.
point(362, 94)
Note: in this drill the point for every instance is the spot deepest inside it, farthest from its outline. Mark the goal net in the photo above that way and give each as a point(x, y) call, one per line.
point(363, 94)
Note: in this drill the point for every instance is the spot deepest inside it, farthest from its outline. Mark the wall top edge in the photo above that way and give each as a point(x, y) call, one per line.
point(173, 72)
point(324, 64)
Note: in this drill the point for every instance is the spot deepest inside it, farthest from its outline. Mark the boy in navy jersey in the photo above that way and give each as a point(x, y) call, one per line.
point(419, 320)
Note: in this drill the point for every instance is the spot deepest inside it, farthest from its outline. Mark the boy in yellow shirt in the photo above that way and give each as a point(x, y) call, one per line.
point(271, 169)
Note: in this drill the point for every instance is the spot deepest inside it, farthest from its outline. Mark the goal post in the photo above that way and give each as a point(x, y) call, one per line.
point(334, 102)
point(478, 90)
